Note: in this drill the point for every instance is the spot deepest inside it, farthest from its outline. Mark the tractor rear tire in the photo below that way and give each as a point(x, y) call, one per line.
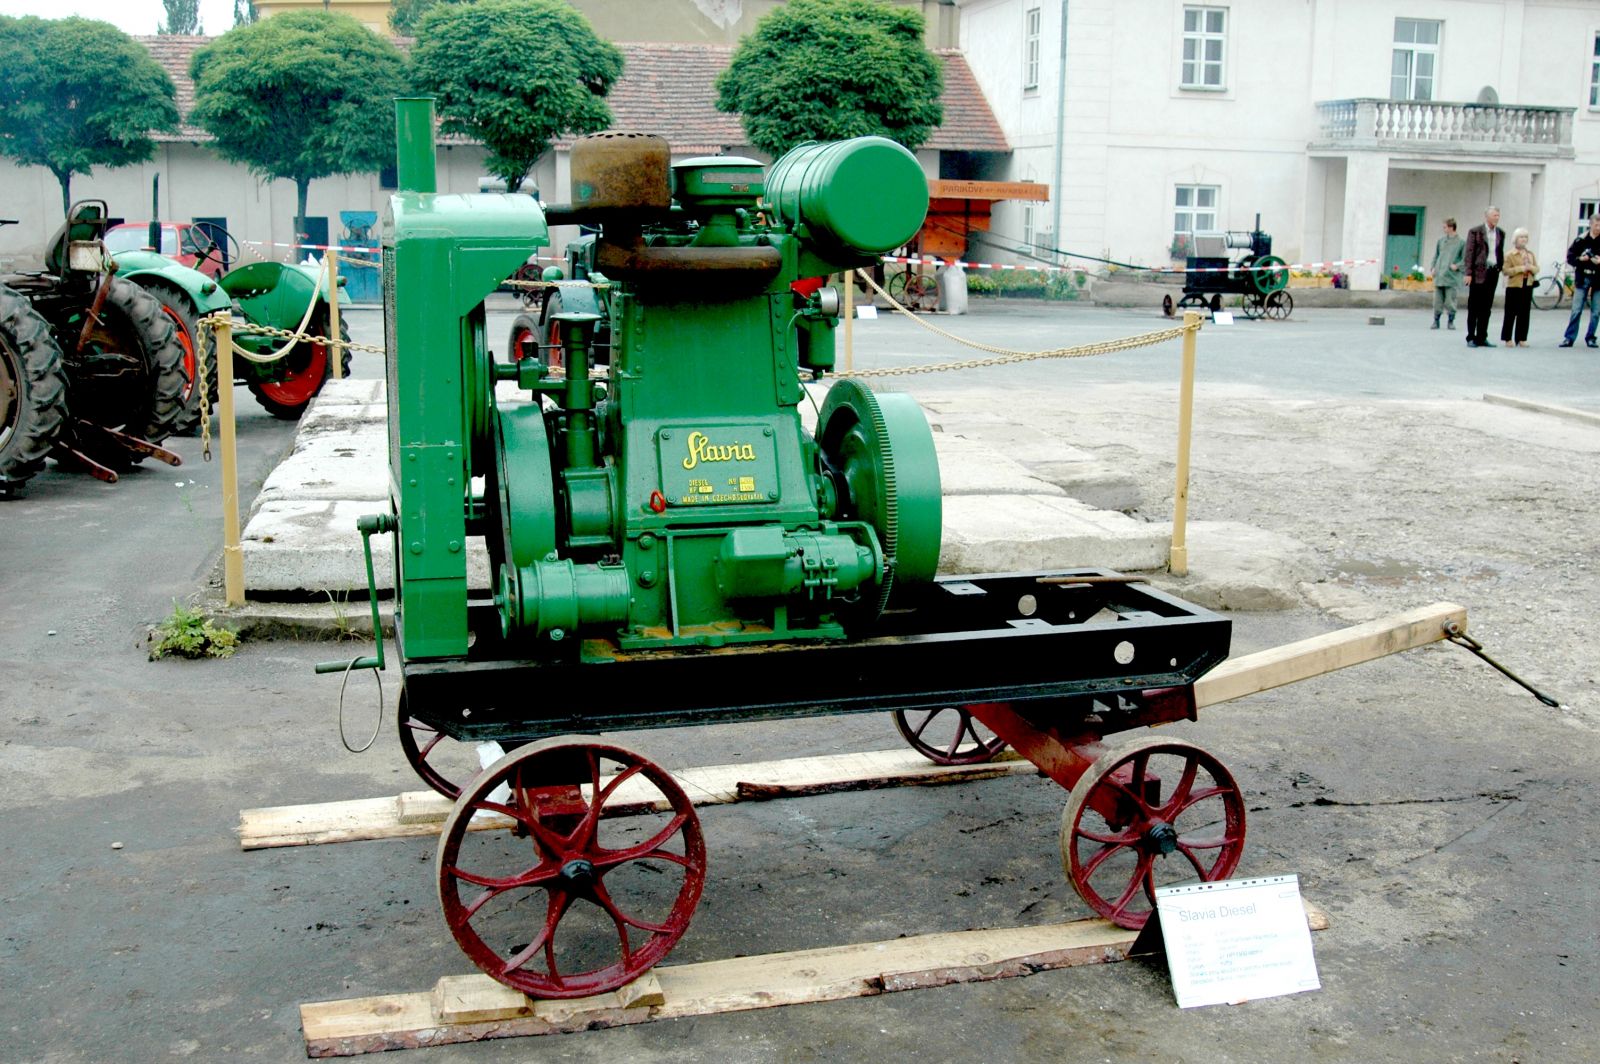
point(309, 369)
point(33, 389)
point(195, 347)
point(152, 414)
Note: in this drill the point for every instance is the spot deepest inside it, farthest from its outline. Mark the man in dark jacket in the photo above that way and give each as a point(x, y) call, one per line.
point(1486, 250)
point(1584, 257)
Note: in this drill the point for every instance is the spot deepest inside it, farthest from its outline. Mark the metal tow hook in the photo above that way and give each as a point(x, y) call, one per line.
point(1454, 633)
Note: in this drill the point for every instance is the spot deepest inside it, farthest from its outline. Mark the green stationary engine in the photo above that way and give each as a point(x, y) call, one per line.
point(673, 499)
point(667, 545)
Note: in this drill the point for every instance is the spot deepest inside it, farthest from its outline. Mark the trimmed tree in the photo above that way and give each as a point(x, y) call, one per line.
point(183, 18)
point(832, 69)
point(515, 74)
point(300, 96)
point(79, 94)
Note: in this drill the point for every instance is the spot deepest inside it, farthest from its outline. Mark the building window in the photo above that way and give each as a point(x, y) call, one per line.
point(1416, 59)
point(1594, 74)
point(1027, 226)
point(1030, 49)
point(1587, 208)
point(1204, 36)
point(1195, 211)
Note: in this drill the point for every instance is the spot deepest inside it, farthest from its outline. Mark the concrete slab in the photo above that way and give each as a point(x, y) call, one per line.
point(971, 467)
point(352, 465)
point(1007, 533)
point(357, 391)
point(311, 545)
point(1234, 566)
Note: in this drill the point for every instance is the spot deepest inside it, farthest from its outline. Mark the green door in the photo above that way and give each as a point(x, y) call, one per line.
point(1403, 245)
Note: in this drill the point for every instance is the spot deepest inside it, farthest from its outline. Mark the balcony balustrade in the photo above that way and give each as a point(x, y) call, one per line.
point(1432, 126)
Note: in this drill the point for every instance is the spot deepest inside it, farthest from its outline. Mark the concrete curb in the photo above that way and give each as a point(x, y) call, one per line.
point(1588, 417)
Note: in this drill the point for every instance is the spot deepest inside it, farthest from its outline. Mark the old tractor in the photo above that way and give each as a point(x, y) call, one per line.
point(1258, 277)
point(666, 543)
point(284, 378)
point(90, 367)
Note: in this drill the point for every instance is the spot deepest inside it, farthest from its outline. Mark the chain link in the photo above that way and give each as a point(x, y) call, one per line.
point(513, 283)
point(1006, 356)
point(212, 321)
point(204, 375)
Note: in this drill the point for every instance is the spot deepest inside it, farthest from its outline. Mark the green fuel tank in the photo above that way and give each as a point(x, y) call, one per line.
point(861, 197)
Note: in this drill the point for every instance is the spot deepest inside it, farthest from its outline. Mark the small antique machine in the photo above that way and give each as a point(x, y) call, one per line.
point(1258, 276)
point(664, 543)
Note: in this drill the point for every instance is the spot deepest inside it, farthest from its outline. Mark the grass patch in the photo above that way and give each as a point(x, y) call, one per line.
point(190, 634)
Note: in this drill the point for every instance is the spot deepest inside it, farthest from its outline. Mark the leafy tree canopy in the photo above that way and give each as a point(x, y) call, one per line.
point(831, 69)
point(405, 14)
point(183, 17)
point(515, 74)
point(79, 94)
point(301, 95)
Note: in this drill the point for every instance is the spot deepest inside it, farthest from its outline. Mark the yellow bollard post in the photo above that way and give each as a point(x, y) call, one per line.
point(336, 353)
point(849, 319)
point(232, 552)
point(1178, 555)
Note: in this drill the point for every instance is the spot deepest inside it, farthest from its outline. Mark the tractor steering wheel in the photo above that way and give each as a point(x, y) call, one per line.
point(230, 250)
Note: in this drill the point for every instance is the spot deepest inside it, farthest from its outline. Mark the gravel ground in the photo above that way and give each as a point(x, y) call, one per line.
point(1433, 809)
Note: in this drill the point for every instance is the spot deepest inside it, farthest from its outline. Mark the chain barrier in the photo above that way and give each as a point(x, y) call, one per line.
point(1006, 356)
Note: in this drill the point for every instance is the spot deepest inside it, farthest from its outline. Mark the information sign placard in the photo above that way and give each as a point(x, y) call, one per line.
point(1236, 940)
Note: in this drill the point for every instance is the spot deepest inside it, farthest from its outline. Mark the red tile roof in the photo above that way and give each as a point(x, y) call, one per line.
point(669, 89)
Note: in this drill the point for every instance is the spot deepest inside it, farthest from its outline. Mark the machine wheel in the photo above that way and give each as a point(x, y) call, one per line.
point(1192, 301)
point(1279, 305)
point(1271, 274)
point(524, 340)
point(1166, 304)
point(567, 866)
point(438, 760)
point(1138, 804)
point(922, 293)
point(1253, 305)
point(308, 369)
point(948, 736)
point(33, 389)
point(129, 375)
point(555, 358)
point(878, 451)
point(175, 304)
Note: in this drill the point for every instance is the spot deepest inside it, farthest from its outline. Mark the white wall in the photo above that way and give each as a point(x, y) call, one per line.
point(1132, 133)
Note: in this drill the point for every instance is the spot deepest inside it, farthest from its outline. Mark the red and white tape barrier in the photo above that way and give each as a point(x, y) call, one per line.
point(933, 260)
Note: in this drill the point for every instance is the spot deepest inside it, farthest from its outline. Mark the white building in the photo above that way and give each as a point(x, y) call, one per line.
point(1354, 127)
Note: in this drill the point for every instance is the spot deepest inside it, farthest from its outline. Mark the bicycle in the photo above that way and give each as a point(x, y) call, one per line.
point(1553, 289)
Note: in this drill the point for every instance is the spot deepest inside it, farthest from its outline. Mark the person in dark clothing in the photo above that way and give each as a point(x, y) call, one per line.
point(1486, 250)
point(1584, 257)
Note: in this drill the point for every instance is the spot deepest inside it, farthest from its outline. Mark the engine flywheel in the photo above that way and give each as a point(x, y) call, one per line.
point(879, 451)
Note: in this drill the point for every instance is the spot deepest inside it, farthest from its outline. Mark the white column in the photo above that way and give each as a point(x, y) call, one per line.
point(1366, 212)
point(1551, 217)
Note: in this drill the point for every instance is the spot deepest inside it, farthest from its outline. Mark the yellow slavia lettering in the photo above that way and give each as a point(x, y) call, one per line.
point(701, 449)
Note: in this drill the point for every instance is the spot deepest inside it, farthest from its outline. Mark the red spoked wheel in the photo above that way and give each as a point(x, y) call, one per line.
point(438, 760)
point(1148, 814)
point(524, 341)
point(574, 900)
point(949, 735)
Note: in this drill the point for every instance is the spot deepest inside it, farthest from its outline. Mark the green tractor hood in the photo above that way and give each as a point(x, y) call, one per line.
point(205, 292)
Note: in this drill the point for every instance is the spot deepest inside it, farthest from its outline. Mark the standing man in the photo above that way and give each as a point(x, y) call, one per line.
point(1447, 255)
point(1584, 257)
point(1486, 250)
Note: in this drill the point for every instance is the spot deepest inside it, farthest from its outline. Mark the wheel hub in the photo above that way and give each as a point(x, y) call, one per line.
point(577, 874)
point(1161, 838)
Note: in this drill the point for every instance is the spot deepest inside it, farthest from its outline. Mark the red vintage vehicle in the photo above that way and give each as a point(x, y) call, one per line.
point(195, 245)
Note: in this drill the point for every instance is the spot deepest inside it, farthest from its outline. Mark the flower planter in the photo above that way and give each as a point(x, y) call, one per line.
point(1310, 282)
point(1404, 284)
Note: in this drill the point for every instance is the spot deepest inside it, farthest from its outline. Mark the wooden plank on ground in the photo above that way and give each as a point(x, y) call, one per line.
point(409, 1021)
point(1293, 662)
point(417, 813)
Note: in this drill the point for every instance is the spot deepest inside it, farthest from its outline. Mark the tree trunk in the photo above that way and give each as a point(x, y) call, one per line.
point(302, 186)
point(65, 177)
